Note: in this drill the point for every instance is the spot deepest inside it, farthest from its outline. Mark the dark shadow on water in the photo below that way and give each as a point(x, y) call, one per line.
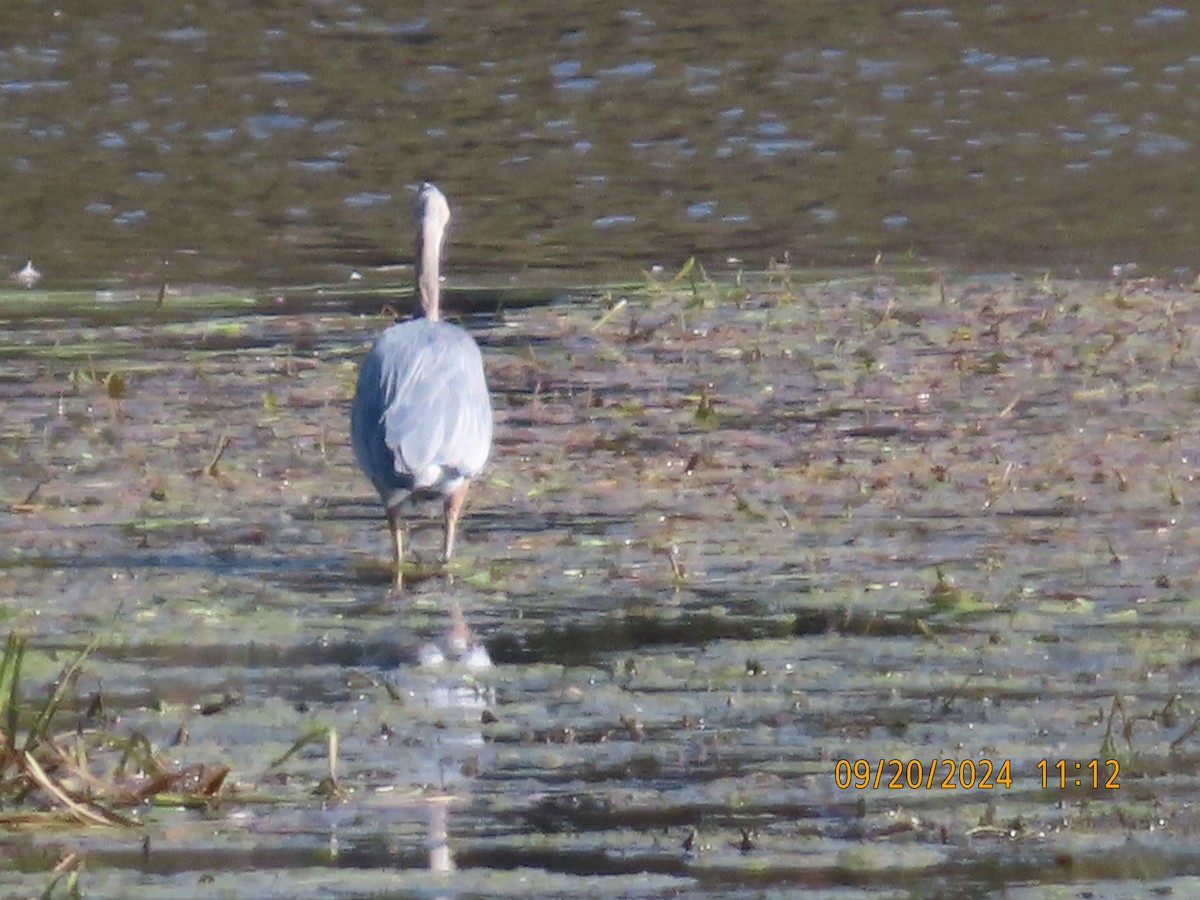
point(728, 861)
point(573, 645)
point(576, 645)
point(225, 560)
point(482, 521)
point(400, 297)
point(374, 654)
point(89, 309)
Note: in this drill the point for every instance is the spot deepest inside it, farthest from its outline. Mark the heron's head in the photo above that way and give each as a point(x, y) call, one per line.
point(430, 208)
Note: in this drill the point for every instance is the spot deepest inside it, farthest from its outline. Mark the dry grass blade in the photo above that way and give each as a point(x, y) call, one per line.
point(209, 780)
point(57, 774)
point(609, 314)
point(78, 810)
point(213, 468)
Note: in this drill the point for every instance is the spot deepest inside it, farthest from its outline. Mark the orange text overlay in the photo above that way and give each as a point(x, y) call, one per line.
point(975, 774)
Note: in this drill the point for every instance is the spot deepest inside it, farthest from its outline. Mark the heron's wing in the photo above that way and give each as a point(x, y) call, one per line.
point(437, 413)
point(366, 425)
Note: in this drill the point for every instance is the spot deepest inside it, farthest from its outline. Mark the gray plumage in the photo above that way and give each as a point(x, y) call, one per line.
point(421, 423)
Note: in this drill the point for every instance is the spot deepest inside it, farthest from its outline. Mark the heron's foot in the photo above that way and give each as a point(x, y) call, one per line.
point(413, 573)
point(398, 582)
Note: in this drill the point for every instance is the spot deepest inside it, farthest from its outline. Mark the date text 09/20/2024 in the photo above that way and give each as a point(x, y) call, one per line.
point(973, 774)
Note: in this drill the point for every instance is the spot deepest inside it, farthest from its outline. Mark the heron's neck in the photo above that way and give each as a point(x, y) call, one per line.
point(429, 252)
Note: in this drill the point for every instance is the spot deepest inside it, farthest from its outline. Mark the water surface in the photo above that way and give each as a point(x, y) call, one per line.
point(277, 144)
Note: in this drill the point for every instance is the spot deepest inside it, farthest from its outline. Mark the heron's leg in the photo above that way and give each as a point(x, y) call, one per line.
point(396, 527)
point(454, 507)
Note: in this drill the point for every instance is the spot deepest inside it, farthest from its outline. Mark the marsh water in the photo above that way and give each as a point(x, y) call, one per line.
point(276, 142)
point(744, 527)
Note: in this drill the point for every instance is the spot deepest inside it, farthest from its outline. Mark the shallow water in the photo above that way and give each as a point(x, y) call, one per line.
point(732, 534)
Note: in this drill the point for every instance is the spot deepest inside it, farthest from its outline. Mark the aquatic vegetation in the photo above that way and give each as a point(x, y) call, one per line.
point(86, 772)
point(730, 537)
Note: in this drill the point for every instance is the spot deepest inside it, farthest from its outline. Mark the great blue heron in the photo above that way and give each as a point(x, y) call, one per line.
point(422, 418)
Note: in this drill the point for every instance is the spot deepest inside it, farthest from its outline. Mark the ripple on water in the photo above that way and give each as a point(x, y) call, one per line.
point(782, 147)
point(642, 68)
point(31, 87)
point(367, 199)
point(266, 125)
point(186, 35)
point(322, 166)
point(1163, 15)
point(613, 221)
point(1152, 144)
point(286, 77)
